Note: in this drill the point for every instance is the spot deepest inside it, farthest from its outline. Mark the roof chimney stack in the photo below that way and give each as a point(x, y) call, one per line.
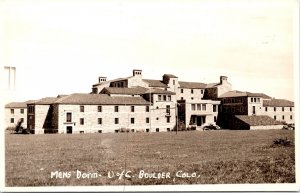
point(137, 72)
point(102, 79)
point(223, 79)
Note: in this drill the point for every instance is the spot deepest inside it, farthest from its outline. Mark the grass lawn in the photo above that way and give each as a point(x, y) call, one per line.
point(214, 157)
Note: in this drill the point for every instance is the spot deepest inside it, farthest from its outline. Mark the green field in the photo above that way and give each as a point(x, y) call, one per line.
point(216, 157)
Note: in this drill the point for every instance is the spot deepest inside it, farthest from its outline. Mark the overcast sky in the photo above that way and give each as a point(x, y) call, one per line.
point(61, 47)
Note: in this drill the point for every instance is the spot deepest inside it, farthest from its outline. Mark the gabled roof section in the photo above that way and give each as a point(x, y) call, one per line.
point(126, 91)
point(16, 105)
point(170, 75)
point(236, 93)
point(155, 83)
point(45, 101)
point(191, 85)
point(100, 99)
point(160, 91)
point(278, 103)
point(257, 120)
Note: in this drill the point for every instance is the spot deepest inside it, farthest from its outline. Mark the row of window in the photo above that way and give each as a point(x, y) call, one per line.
point(192, 91)
point(283, 118)
point(282, 109)
point(255, 100)
point(132, 120)
point(12, 111)
point(116, 108)
point(164, 97)
point(200, 107)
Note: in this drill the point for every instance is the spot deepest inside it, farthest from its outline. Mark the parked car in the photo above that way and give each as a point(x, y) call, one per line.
point(211, 127)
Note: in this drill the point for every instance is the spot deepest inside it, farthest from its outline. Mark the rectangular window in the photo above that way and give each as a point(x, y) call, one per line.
point(173, 82)
point(193, 107)
point(291, 117)
point(282, 108)
point(159, 97)
point(203, 107)
point(99, 108)
point(69, 117)
point(198, 107)
point(168, 119)
point(100, 121)
point(116, 120)
point(202, 91)
point(215, 119)
point(192, 91)
point(232, 100)
point(12, 120)
point(274, 108)
point(81, 108)
point(275, 117)
point(22, 111)
point(157, 129)
point(169, 97)
point(266, 109)
point(251, 100)
point(165, 97)
point(192, 98)
point(258, 100)
point(132, 108)
point(31, 109)
point(12, 111)
point(255, 100)
point(168, 109)
point(147, 120)
point(132, 120)
point(147, 108)
point(291, 108)
point(214, 108)
point(116, 108)
point(282, 117)
point(181, 90)
point(81, 121)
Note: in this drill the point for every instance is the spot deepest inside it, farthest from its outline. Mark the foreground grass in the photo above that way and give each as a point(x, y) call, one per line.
point(215, 156)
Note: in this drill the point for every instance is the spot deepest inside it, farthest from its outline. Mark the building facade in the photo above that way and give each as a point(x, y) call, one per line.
point(16, 112)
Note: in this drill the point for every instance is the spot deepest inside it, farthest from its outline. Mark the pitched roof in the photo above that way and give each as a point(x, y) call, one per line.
point(130, 91)
point(155, 83)
point(16, 105)
point(191, 85)
point(101, 99)
point(236, 93)
point(256, 120)
point(160, 91)
point(170, 75)
point(45, 101)
point(278, 103)
point(210, 85)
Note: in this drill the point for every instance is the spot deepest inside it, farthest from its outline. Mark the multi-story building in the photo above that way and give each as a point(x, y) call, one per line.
point(137, 104)
point(16, 112)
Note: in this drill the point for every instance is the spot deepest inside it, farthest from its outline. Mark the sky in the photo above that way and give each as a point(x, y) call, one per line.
point(62, 47)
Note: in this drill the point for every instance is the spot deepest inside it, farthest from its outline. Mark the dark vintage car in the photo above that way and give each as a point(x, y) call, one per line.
point(211, 127)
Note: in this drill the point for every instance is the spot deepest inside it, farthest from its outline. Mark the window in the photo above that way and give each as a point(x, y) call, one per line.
point(116, 120)
point(181, 98)
point(99, 108)
point(232, 100)
point(100, 121)
point(147, 108)
point(168, 129)
point(266, 109)
point(255, 100)
point(147, 120)
point(202, 91)
point(12, 120)
point(168, 109)
point(12, 111)
point(31, 109)
point(132, 120)
point(157, 129)
point(99, 131)
point(274, 108)
point(251, 100)
point(69, 117)
point(282, 117)
point(116, 108)
point(81, 132)
point(132, 108)
point(282, 108)
point(169, 97)
point(192, 98)
point(193, 107)
point(291, 108)
point(258, 100)
point(192, 91)
point(165, 97)
point(159, 97)
point(291, 117)
point(181, 90)
point(214, 108)
point(168, 119)
point(275, 117)
point(173, 82)
point(147, 130)
point(22, 111)
point(215, 119)
point(199, 107)
point(81, 121)
point(81, 108)
point(203, 107)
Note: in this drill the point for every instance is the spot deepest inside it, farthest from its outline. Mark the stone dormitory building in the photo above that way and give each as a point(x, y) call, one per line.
point(136, 104)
